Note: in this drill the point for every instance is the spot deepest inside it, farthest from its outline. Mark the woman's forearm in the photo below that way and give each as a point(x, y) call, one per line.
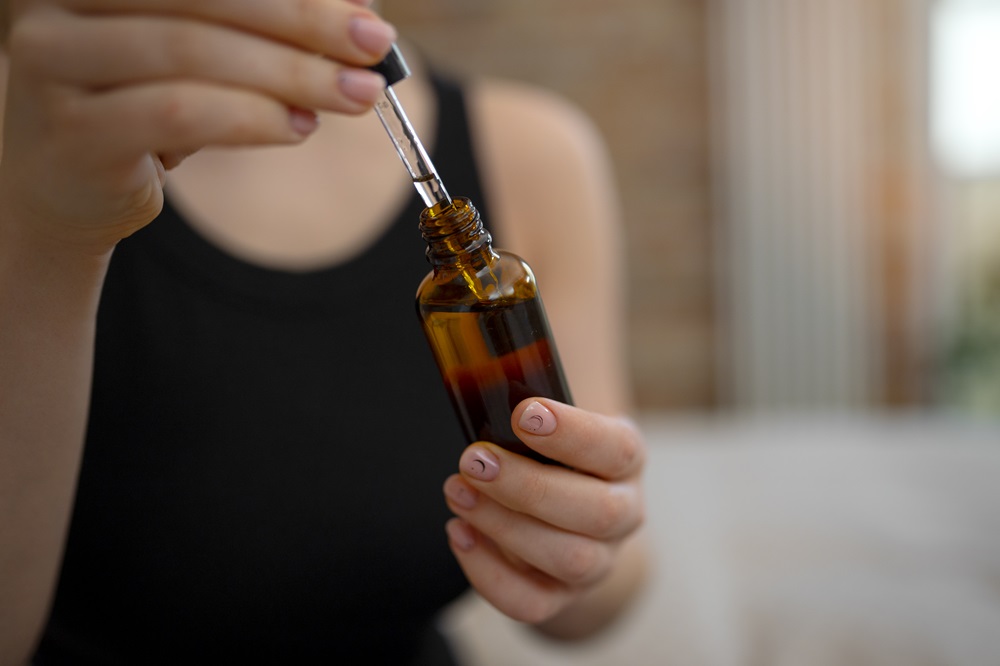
point(48, 304)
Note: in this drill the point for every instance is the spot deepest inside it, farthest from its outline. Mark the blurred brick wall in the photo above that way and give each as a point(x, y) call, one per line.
point(638, 68)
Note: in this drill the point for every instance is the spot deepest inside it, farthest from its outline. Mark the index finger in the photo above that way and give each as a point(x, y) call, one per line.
point(607, 447)
point(327, 27)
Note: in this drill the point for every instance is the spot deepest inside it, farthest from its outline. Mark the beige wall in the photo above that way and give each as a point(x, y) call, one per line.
point(638, 68)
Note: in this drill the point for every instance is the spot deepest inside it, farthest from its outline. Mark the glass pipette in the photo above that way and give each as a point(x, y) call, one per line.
point(422, 172)
point(411, 150)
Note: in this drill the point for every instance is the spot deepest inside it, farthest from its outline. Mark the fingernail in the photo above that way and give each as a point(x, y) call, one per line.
point(460, 493)
point(303, 122)
point(479, 463)
point(361, 85)
point(460, 534)
point(538, 420)
point(371, 34)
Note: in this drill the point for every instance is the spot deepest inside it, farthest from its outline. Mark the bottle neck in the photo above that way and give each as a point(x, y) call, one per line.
point(455, 235)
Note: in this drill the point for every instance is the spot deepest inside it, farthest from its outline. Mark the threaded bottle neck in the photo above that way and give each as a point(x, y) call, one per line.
point(455, 234)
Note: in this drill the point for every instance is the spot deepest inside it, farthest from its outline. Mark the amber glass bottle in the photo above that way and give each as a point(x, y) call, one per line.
point(483, 316)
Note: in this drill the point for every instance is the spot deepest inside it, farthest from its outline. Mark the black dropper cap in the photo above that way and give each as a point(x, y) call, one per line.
point(393, 67)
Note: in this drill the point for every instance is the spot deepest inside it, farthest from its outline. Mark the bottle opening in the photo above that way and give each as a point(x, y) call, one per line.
point(444, 209)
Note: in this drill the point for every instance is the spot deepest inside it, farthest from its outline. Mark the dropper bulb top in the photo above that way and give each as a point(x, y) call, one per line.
point(393, 67)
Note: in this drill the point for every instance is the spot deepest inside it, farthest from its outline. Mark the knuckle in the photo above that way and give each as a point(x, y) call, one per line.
point(71, 117)
point(183, 48)
point(173, 115)
point(631, 452)
point(179, 117)
point(611, 513)
point(533, 491)
point(304, 80)
point(33, 41)
point(582, 563)
point(501, 525)
point(308, 12)
point(311, 19)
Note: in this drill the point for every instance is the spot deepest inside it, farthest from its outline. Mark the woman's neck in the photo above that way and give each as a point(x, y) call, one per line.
point(306, 206)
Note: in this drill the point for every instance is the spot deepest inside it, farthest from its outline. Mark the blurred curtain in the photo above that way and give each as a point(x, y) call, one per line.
point(822, 200)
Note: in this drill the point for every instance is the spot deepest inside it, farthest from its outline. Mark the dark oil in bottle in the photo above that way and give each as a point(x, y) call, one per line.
point(491, 359)
point(486, 325)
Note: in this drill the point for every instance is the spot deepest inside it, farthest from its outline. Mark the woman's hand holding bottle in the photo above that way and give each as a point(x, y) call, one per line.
point(536, 539)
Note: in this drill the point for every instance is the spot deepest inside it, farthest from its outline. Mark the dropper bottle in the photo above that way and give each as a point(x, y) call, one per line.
point(479, 307)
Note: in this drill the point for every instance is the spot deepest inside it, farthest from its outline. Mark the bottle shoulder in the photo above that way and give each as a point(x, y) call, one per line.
point(505, 279)
point(513, 266)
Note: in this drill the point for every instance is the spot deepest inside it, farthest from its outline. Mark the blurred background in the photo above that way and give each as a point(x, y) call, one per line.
point(810, 188)
point(811, 192)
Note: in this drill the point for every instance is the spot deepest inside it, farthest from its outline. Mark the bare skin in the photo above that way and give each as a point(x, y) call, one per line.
point(88, 141)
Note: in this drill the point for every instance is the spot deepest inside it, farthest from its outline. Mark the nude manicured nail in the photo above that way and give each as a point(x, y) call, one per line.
point(371, 34)
point(361, 85)
point(538, 420)
point(460, 534)
point(460, 493)
point(303, 122)
point(479, 463)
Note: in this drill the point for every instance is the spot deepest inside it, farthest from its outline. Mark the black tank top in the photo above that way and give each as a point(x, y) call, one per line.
point(261, 482)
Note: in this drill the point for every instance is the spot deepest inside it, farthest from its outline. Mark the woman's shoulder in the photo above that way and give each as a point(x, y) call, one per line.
point(533, 127)
point(545, 164)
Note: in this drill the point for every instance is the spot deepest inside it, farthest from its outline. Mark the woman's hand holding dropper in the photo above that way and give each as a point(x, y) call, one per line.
point(104, 95)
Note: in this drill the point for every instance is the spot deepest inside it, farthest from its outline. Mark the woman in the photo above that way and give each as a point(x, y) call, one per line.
point(247, 468)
